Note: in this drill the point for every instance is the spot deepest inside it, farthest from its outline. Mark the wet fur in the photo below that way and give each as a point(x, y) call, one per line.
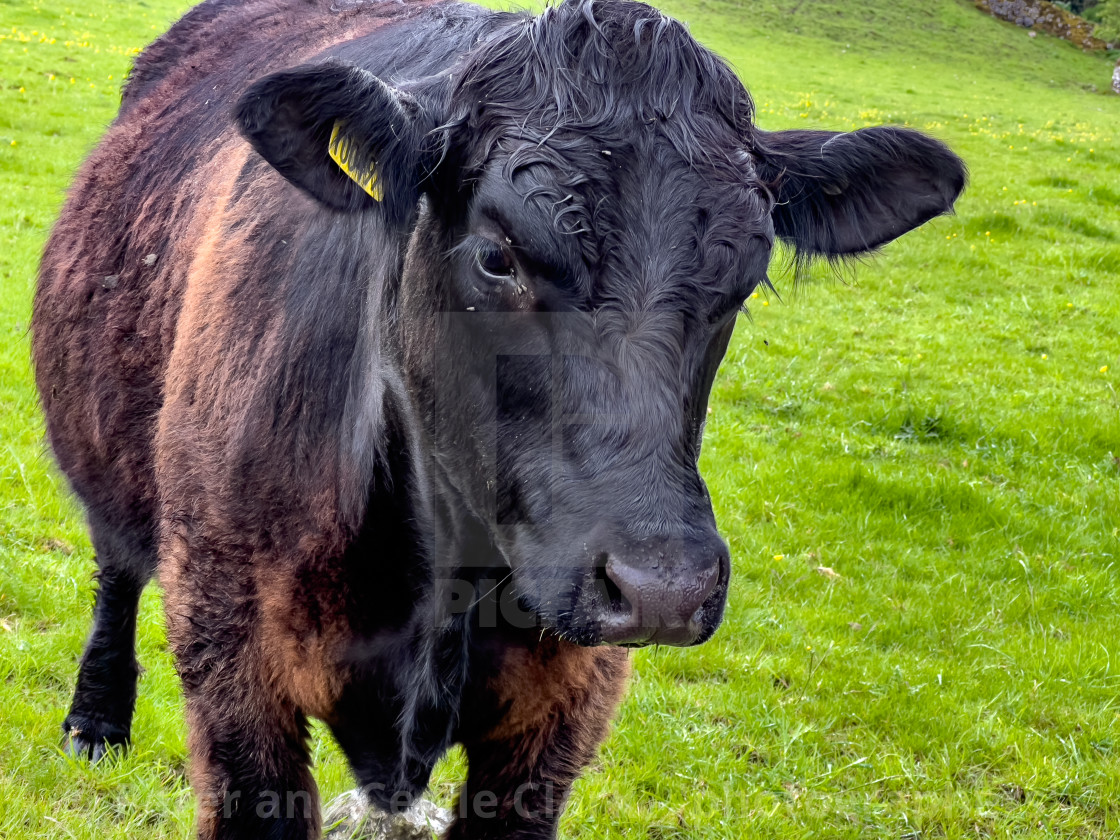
point(228, 366)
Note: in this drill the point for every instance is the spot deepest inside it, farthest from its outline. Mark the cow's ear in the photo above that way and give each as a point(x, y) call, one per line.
point(845, 194)
point(340, 134)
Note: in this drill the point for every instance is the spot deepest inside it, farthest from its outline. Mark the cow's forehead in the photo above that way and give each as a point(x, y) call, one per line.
point(613, 124)
point(632, 181)
point(610, 209)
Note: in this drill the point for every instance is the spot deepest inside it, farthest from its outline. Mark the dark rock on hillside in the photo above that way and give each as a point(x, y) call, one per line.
point(1045, 17)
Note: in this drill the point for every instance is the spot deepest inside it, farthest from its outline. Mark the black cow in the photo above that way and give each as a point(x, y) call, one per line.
point(388, 328)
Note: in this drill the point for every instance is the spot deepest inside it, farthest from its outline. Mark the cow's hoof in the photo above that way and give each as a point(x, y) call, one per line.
point(87, 737)
point(351, 817)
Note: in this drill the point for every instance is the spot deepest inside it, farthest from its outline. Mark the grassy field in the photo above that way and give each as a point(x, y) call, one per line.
point(918, 469)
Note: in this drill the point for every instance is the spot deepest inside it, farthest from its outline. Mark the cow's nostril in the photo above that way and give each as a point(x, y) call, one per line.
point(616, 601)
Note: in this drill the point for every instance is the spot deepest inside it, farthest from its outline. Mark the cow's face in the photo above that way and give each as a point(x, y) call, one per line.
point(565, 317)
point(596, 212)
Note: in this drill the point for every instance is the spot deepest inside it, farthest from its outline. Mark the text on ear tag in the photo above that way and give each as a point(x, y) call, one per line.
point(354, 161)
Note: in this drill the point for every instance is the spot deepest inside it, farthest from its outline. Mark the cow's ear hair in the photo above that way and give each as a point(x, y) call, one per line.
point(841, 194)
point(340, 134)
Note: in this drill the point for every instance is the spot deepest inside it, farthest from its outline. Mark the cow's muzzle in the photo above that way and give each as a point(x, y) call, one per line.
point(665, 591)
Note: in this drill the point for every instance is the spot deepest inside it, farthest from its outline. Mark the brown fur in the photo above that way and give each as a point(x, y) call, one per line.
point(142, 349)
point(529, 731)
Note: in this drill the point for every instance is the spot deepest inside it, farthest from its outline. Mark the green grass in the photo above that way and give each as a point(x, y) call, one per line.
point(918, 470)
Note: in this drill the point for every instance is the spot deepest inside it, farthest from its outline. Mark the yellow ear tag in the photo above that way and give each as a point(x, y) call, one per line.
point(354, 162)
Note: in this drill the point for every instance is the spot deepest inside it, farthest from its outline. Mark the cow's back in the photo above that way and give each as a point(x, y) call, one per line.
point(143, 216)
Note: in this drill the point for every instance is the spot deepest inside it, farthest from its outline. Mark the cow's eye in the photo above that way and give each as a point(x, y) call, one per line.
point(494, 260)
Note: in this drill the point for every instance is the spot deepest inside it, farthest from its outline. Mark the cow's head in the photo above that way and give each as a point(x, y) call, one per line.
point(589, 205)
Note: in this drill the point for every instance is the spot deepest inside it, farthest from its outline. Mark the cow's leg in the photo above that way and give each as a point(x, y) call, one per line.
point(532, 720)
point(247, 737)
point(250, 767)
point(101, 712)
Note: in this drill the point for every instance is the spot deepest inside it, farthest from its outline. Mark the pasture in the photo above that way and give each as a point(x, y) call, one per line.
point(916, 463)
